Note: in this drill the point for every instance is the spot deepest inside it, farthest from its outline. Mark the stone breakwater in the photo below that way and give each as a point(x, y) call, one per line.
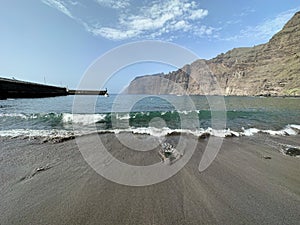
point(11, 88)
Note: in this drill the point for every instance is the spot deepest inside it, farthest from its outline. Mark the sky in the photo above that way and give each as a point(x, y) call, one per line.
point(55, 41)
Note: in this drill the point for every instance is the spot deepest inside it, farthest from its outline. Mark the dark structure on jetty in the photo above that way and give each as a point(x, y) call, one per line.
point(11, 88)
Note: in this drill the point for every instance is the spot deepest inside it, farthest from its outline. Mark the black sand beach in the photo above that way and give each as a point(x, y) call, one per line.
point(249, 182)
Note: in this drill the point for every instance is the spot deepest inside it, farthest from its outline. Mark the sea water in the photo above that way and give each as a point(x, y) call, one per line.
point(146, 114)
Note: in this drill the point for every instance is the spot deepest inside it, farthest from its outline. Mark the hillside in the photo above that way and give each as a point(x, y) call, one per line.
point(268, 69)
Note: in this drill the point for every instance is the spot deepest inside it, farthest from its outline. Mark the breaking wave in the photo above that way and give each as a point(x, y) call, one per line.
point(289, 130)
point(53, 125)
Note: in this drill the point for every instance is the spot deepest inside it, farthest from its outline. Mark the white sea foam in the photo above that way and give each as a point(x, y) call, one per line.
point(157, 132)
point(294, 126)
point(184, 112)
point(20, 115)
point(287, 131)
point(28, 116)
point(160, 132)
point(250, 131)
point(84, 119)
point(35, 133)
point(123, 117)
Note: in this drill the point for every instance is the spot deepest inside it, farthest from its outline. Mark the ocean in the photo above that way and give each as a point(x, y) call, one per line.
point(154, 115)
point(116, 169)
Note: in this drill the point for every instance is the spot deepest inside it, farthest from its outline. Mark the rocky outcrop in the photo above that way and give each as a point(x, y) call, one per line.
point(268, 69)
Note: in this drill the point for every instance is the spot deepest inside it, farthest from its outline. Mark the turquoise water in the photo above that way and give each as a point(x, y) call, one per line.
point(138, 111)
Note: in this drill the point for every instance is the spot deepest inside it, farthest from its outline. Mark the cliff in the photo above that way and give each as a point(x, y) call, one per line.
point(268, 69)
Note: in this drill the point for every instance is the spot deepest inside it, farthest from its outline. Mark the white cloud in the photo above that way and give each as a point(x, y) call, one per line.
point(169, 18)
point(182, 25)
point(246, 12)
point(114, 34)
point(59, 5)
point(156, 19)
point(74, 3)
point(198, 14)
point(265, 30)
point(115, 4)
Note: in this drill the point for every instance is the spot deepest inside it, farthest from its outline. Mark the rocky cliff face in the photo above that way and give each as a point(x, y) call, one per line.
point(268, 69)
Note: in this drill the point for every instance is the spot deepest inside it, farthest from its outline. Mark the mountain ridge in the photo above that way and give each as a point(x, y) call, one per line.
point(270, 69)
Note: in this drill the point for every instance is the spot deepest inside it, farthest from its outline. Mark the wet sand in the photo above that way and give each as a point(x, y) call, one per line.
point(51, 183)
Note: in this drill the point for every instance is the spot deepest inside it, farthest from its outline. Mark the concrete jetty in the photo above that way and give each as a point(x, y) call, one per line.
point(87, 92)
point(11, 88)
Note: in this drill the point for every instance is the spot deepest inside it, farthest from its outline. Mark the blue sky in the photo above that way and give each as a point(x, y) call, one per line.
point(56, 40)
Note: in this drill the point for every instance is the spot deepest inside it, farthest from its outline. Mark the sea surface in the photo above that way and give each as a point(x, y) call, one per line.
point(154, 115)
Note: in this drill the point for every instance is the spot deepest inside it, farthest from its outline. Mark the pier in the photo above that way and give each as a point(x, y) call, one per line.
point(11, 88)
point(87, 92)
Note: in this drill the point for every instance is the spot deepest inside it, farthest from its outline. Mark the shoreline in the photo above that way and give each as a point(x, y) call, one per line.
point(50, 183)
point(66, 92)
point(247, 96)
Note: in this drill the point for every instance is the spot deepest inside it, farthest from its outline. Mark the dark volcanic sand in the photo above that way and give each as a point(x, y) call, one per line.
point(240, 186)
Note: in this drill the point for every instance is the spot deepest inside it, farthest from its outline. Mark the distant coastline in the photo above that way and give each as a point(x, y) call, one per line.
point(254, 96)
point(270, 69)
